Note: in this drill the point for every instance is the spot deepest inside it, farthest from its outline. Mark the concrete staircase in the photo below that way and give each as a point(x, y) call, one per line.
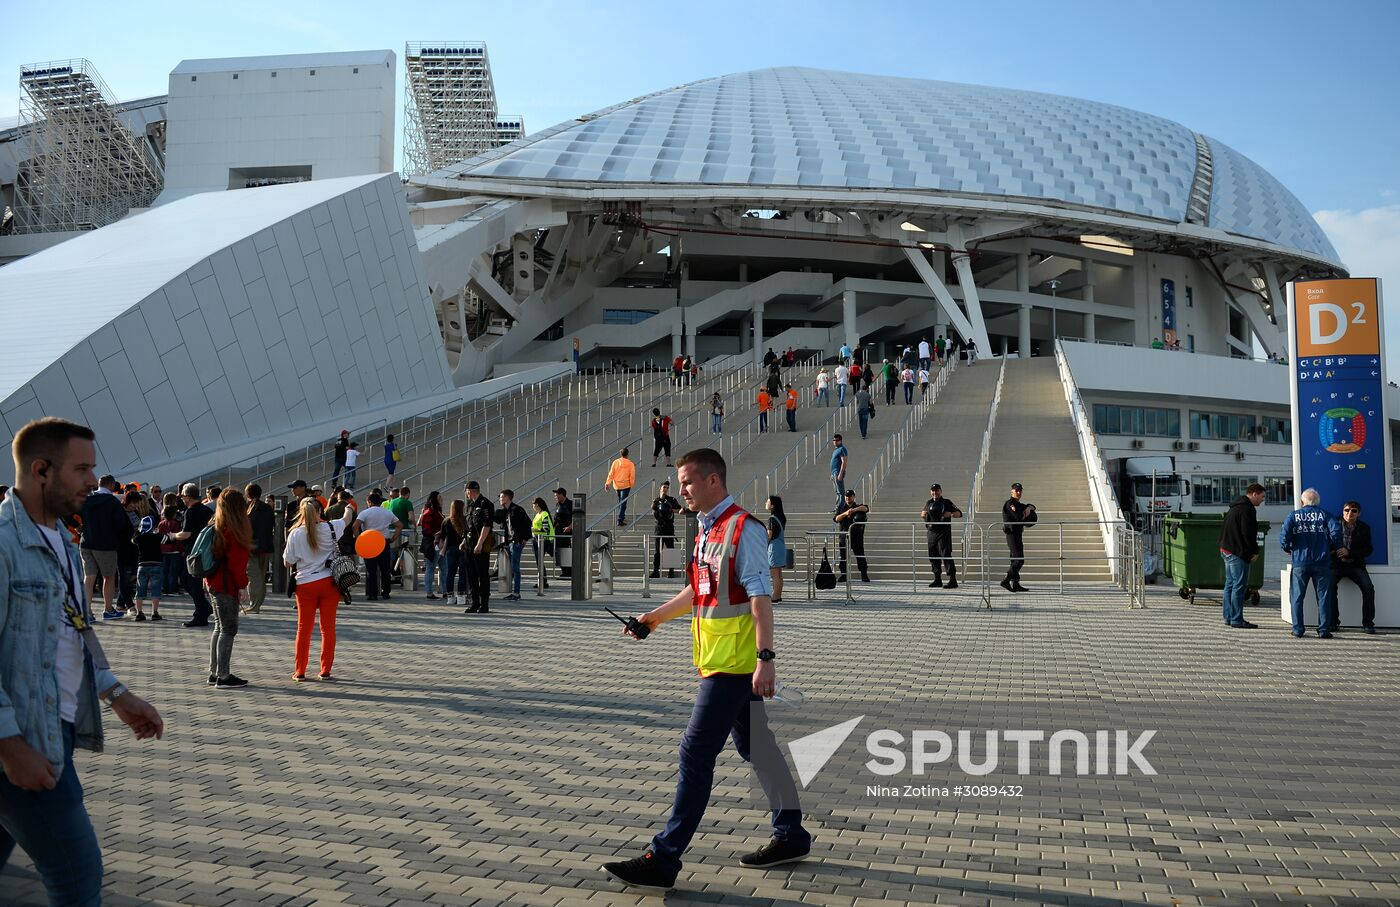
point(945, 449)
point(1034, 443)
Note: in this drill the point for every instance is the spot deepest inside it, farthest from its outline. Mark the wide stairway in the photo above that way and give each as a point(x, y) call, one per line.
point(1034, 443)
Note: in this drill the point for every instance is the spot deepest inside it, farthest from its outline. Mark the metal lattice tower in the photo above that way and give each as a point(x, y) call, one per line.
point(87, 169)
point(449, 104)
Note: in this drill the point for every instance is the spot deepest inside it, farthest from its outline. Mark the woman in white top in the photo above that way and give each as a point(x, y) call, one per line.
point(823, 389)
point(310, 547)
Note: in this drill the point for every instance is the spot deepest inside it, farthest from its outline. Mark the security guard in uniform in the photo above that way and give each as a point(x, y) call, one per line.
point(938, 513)
point(730, 593)
point(1015, 517)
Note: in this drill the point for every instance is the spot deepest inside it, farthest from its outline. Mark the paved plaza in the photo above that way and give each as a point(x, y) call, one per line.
point(501, 759)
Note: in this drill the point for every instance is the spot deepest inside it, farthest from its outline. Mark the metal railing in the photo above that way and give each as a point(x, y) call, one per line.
point(1105, 502)
point(892, 453)
point(984, 457)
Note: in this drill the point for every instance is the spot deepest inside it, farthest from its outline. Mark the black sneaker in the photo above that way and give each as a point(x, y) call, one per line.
point(952, 584)
point(231, 682)
point(1370, 631)
point(774, 853)
point(937, 582)
point(1244, 625)
point(1017, 587)
point(213, 679)
point(935, 585)
point(195, 623)
point(642, 872)
point(155, 615)
point(1005, 584)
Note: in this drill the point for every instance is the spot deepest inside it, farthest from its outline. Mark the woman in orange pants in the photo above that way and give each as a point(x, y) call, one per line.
point(310, 547)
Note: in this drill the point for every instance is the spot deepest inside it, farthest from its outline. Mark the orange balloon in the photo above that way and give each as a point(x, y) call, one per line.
point(370, 543)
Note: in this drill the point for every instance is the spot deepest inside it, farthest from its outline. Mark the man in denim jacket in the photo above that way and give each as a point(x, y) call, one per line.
point(1310, 535)
point(52, 670)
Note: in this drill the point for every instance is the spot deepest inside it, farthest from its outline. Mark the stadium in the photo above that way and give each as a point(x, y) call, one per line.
point(1124, 273)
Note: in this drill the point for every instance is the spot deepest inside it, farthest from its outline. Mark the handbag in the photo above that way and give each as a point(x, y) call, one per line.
point(826, 577)
point(344, 570)
point(791, 559)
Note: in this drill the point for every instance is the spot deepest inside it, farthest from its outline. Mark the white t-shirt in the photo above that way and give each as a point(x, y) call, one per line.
point(311, 565)
point(923, 376)
point(924, 352)
point(843, 376)
point(69, 658)
point(907, 376)
point(380, 519)
point(352, 456)
point(822, 380)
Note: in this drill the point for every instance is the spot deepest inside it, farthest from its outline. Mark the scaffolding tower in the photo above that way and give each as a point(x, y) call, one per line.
point(509, 128)
point(86, 169)
point(449, 104)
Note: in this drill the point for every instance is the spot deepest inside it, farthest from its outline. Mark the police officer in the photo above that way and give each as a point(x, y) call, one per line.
point(664, 508)
point(938, 512)
point(730, 590)
point(563, 528)
point(851, 518)
point(1015, 517)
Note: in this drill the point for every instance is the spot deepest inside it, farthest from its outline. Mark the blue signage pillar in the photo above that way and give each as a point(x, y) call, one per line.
point(1341, 436)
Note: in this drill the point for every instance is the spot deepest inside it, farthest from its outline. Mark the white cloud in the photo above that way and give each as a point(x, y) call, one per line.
point(1369, 243)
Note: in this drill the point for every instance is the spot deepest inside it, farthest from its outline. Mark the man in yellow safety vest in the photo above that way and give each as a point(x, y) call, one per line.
point(730, 594)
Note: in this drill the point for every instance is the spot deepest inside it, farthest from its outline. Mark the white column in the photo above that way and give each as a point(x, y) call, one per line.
point(1023, 332)
point(1091, 329)
point(758, 334)
point(1090, 321)
point(848, 317)
point(675, 340)
point(1023, 273)
point(690, 342)
point(962, 264)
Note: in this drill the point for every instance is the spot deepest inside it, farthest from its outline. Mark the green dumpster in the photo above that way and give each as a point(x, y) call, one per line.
point(1191, 549)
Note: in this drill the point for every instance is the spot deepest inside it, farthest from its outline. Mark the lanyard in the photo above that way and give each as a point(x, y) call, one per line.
point(77, 619)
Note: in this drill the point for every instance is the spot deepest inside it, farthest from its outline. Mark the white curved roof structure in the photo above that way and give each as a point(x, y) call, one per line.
point(809, 128)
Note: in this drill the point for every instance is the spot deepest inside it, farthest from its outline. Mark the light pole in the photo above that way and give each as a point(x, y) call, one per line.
point(1053, 284)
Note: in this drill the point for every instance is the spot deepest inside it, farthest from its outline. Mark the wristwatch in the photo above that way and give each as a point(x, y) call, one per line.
point(115, 693)
point(766, 655)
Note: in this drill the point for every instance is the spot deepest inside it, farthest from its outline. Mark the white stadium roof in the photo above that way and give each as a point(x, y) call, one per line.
point(810, 128)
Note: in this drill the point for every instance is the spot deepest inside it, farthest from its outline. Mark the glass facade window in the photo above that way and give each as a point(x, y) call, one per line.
point(1222, 426)
point(1278, 490)
point(626, 316)
point(1147, 421)
point(1275, 430)
point(1207, 490)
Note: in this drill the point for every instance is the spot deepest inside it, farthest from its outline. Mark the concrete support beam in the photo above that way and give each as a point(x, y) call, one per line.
point(675, 340)
point(848, 318)
point(1091, 327)
point(1023, 331)
point(945, 299)
point(758, 335)
point(690, 342)
point(962, 264)
point(1023, 272)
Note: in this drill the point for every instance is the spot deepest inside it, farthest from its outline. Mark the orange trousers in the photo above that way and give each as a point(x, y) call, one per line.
point(323, 596)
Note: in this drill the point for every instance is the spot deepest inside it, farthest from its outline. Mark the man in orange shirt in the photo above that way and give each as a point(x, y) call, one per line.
point(622, 475)
point(791, 408)
point(765, 403)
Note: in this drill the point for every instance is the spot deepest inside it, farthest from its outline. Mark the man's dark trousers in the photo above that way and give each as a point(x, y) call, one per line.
point(1357, 574)
point(202, 609)
point(1016, 547)
point(722, 710)
point(940, 554)
point(53, 828)
point(663, 540)
point(478, 568)
point(378, 570)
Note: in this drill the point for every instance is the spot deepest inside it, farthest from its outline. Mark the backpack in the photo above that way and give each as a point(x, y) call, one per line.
point(201, 562)
point(344, 570)
point(826, 577)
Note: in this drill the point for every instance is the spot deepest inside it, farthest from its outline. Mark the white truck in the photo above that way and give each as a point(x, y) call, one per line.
point(1151, 485)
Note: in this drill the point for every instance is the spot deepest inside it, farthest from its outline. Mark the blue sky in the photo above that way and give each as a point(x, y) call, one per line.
point(1311, 91)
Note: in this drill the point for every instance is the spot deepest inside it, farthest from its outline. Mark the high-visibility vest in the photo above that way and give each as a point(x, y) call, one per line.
point(721, 626)
point(542, 526)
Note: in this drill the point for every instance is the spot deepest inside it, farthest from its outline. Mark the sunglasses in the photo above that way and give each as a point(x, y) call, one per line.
point(1350, 510)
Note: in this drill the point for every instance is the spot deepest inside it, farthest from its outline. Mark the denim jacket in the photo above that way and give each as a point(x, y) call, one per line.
point(31, 606)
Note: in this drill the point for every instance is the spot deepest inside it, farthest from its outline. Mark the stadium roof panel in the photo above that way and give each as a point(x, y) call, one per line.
point(811, 128)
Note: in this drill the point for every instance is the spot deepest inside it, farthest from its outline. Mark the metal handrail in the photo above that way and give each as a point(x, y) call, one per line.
point(892, 452)
point(985, 456)
point(1104, 500)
